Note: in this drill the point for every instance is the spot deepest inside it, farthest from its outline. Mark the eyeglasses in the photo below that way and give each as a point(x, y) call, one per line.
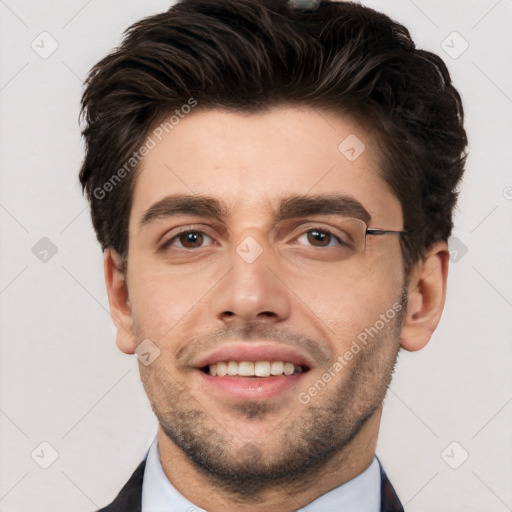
point(350, 234)
point(345, 238)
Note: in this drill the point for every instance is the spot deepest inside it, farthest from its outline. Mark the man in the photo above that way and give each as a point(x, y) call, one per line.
point(272, 185)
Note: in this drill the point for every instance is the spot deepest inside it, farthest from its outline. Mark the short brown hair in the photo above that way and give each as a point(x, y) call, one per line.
point(250, 55)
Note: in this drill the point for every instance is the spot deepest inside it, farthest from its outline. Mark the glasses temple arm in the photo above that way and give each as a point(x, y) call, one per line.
point(373, 231)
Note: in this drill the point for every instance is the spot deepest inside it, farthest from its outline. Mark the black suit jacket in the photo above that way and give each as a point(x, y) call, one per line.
point(130, 497)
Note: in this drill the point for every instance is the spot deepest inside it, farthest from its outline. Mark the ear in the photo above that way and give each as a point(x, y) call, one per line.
point(120, 310)
point(426, 297)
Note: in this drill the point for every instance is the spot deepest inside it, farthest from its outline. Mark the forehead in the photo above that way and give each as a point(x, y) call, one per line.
point(251, 161)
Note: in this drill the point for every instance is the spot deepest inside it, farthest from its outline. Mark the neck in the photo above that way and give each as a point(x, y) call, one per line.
point(202, 491)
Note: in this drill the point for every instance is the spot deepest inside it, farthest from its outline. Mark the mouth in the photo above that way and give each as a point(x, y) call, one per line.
point(253, 369)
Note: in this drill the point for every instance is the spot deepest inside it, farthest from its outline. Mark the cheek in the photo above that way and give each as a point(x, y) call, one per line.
point(160, 301)
point(346, 313)
point(347, 303)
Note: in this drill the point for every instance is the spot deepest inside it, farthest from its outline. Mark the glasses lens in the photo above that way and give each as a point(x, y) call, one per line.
point(353, 234)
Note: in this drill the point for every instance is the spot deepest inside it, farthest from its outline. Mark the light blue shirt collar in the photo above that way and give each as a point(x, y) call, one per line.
point(361, 494)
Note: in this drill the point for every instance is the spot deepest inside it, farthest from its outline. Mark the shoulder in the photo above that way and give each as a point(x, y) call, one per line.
point(130, 496)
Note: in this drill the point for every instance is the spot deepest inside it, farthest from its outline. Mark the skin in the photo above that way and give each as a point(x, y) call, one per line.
point(271, 454)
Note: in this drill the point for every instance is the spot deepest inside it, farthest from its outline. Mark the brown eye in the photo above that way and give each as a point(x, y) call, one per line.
point(319, 238)
point(191, 239)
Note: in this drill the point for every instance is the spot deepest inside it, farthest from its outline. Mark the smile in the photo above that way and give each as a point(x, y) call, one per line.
point(253, 368)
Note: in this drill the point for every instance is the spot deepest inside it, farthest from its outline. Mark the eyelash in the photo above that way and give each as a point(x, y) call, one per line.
point(170, 241)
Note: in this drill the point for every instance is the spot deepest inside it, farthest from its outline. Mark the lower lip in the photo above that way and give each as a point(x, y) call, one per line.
point(250, 387)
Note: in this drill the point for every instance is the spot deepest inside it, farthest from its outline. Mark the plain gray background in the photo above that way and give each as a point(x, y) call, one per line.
point(64, 383)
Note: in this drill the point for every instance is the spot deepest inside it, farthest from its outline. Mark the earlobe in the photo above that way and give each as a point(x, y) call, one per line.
point(120, 310)
point(426, 297)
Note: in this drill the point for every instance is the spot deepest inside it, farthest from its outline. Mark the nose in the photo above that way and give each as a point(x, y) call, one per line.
point(251, 291)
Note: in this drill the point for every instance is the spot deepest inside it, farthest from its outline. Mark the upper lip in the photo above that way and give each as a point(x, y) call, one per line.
point(254, 352)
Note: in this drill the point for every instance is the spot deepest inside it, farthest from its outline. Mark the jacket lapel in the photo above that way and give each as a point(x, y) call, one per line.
point(130, 496)
point(389, 501)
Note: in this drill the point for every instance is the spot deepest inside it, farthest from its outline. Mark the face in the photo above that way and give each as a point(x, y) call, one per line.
point(239, 262)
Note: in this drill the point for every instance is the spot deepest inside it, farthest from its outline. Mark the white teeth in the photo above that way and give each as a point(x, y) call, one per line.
point(262, 369)
point(245, 368)
point(253, 369)
point(288, 368)
point(232, 368)
point(276, 367)
point(222, 369)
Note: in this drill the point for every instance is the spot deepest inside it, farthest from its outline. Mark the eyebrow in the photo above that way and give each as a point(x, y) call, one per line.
point(331, 204)
point(185, 204)
point(290, 207)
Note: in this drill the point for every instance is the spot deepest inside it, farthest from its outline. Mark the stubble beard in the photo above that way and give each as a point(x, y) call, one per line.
point(300, 446)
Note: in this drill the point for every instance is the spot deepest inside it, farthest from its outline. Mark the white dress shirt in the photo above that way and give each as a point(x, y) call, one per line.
point(361, 494)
